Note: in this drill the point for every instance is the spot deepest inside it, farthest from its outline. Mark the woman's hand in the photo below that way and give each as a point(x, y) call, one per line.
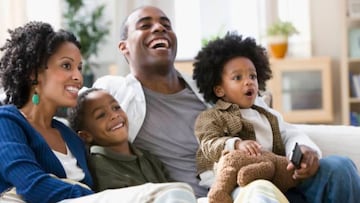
point(309, 164)
point(249, 146)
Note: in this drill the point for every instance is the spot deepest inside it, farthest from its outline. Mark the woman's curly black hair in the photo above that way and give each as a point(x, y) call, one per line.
point(76, 114)
point(26, 53)
point(210, 61)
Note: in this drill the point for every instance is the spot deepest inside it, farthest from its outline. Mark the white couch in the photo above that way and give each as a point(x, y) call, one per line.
point(332, 139)
point(335, 140)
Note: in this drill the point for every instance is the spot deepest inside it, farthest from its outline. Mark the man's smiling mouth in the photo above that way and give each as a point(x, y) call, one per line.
point(159, 44)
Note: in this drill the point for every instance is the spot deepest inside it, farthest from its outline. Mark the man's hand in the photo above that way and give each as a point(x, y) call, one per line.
point(309, 164)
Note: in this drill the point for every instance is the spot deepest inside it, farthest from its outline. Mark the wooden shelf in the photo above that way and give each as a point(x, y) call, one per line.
point(350, 65)
point(184, 66)
point(354, 60)
point(354, 100)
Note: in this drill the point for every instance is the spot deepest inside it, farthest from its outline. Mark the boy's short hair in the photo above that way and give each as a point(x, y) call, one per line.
point(76, 114)
point(210, 61)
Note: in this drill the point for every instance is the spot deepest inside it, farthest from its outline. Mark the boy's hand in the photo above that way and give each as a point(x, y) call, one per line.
point(249, 146)
point(309, 164)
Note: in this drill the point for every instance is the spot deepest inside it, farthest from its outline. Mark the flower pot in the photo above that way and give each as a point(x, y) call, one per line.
point(277, 46)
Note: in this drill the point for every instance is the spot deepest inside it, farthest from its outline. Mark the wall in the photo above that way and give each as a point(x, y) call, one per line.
point(16, 13)
point(325, 31)
point(326, 41)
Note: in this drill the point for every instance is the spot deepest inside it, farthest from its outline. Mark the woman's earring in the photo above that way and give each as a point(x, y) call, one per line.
point(35, 98)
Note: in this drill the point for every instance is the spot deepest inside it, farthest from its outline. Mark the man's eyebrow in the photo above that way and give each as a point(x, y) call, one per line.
point(162, 18)
point(165, 18)
point(143, 19)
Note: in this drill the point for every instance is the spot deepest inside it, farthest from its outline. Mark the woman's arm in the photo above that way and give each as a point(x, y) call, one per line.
point(22, 161)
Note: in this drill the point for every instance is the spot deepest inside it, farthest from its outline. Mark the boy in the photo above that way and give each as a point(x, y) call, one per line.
point(114, 162)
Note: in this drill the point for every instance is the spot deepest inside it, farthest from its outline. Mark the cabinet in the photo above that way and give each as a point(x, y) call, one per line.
point(350, 63)
point(301, 89)
point(185, 66)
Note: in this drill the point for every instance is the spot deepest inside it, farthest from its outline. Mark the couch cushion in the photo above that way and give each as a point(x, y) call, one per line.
point(336, 140)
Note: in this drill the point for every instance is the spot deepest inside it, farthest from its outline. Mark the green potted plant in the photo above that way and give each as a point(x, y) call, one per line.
point(89, 27)
point(277, 37)
point(219, 34)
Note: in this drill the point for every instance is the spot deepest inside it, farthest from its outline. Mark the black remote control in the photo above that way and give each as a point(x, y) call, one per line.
point(296, 156)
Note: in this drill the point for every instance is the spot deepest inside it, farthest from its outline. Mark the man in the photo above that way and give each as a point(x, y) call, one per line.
point(162, 106)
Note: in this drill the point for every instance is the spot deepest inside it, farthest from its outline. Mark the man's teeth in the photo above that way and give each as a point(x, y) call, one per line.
point(159, 43)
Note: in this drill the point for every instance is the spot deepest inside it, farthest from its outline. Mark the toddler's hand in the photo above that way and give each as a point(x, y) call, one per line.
point(249, 146)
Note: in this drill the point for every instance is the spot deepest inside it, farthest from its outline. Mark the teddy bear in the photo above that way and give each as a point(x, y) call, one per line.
point(239, 168)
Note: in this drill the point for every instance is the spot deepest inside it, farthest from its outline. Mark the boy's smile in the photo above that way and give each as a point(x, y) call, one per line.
point(105, 121)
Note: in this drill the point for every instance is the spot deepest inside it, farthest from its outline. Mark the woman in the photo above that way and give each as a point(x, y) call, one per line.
point(44, 160)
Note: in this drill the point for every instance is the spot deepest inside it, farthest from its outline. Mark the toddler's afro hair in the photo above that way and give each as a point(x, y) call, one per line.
point(211, 59)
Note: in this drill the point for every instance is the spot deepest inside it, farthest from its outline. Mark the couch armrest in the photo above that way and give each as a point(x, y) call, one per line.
point(335, 140)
